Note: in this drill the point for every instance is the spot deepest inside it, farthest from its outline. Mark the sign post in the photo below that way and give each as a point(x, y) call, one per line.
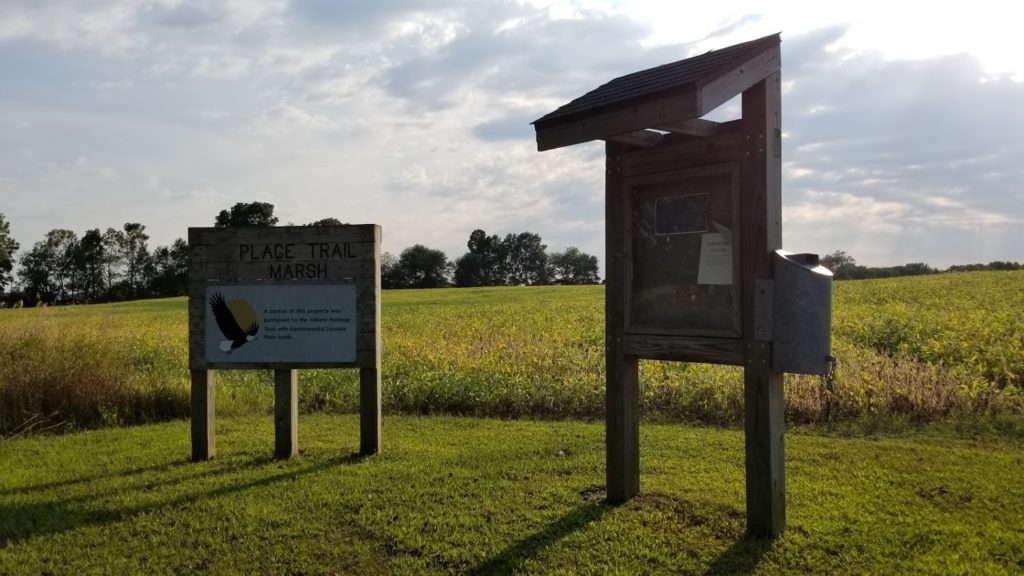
point(284, 298)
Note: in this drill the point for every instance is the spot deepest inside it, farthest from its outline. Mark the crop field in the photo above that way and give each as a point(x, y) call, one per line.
point(918, 349)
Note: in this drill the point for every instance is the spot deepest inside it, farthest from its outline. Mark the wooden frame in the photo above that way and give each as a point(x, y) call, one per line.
point(633, 185)
point(285, 257)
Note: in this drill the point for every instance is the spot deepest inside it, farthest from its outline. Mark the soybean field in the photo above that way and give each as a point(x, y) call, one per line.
point(916, 349)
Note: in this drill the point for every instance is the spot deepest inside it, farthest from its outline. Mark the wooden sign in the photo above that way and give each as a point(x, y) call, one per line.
point(285, 298)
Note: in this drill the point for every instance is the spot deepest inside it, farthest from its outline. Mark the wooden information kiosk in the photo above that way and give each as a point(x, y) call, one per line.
point(693, 221)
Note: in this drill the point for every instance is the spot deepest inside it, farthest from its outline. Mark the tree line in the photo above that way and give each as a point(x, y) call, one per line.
point(845, 267)
point(117, 263)
point(515, 260)
point(98, 266)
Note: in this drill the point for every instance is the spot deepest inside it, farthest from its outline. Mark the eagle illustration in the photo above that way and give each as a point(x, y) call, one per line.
point(236, 321)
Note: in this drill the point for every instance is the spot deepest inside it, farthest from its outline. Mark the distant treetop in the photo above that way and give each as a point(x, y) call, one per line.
point(247, 214)
point(326, 222)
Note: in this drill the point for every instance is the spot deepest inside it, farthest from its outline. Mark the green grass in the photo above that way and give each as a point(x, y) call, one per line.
point(477, 496)
point(920, 349)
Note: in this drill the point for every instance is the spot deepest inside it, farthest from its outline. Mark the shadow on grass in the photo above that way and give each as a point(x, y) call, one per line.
point(70, 482)
point(23, 521)
point(511, 560)
point(743, 557)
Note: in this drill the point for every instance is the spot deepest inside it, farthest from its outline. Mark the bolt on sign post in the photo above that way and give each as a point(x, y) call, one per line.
point(693, 231)
point(284, 298)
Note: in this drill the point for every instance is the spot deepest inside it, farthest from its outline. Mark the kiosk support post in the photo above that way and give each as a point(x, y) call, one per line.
point(622, 404)
point(763, 395)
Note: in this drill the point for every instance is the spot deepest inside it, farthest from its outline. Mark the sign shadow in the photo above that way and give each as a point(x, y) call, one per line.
point(25, 521)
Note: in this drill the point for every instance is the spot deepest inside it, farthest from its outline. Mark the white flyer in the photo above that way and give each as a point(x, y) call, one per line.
point(715, 259)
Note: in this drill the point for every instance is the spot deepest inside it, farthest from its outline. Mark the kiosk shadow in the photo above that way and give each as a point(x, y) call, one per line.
point(23, 521)
point(511, 560)
point(743, 557)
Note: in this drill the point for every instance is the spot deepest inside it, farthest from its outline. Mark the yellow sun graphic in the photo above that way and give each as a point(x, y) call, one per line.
point(243, 313)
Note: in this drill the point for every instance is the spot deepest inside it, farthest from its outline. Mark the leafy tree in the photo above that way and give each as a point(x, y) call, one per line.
point(486, 262)
point(8, 248)
point(842, 265)
point(61, 245)
point(113, 261)
point(836, 260)
point(47, 270)
point(35, 273)
point(135, 255)
point(573, 267)
point(469, 270)
point(493, 261)
point(326, 222)
point(915, 269)
point(242, 214)
point(88, 260)
point(422, 267)
point(169, 264)
point(526, 261)
point(390, 271)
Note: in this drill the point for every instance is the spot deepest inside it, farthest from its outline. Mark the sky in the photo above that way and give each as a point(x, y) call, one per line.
point(902, 126)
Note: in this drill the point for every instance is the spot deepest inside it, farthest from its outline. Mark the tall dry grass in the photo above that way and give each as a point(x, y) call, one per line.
point(530, 352)
point(55, 373)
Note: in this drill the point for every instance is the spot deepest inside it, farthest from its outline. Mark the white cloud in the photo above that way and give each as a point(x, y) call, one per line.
point(415, 115)
point(871, 215)
point(221, 67)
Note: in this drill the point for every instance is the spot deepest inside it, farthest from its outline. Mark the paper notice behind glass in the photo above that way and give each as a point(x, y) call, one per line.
point(715, 259)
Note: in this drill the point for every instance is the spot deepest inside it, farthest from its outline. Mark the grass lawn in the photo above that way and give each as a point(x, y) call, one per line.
point(479, 496)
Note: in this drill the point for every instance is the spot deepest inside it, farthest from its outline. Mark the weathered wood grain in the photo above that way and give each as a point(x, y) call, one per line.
point(720, 149)
point(286, 413)
point(684, 348)
point(622, 404)
point(638, 138)
point(370, 374)
point(275, 234)
point(763, 388)
point(658, 112)
point(203, 408)
point(728, 85)
point(695, 127)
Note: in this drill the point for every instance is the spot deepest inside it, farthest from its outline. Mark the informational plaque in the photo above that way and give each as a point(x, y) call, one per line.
point(281, 323)
point(684, 254)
